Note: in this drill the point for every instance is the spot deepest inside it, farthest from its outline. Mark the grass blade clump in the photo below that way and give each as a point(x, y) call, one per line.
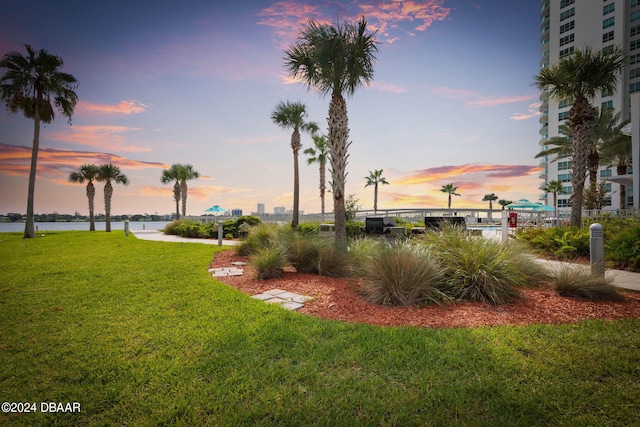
point(578, 282)
point(259, 237)
point(269, 263)
point(303, 253)
point(361, 250)
point(333, 261)
point(483, 270)
point(402, 275)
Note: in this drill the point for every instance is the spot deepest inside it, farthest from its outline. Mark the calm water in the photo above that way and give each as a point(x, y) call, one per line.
point(82, 226)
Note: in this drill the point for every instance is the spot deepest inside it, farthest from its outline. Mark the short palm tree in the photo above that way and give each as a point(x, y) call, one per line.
point(504, 203)
point(375, 178)
point(579, 77)
point(490, 198)
point(33, 85)
point(87, 173)
point(451, 191)
point(554, 187)
point(336, 60)
point(318, 154)
point(172, 175)
point(109, 173)
point(616, 151)
point(292, 115)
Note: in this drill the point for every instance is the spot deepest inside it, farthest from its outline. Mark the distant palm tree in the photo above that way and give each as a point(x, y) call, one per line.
point(318, 154)
point(291, 115)
point(374, 179)
point(504, 203)
point(554, 187)
point(490, 198)
point(33, 85)
point(107, 174)
point(180, 173)
point(579, 77)
point(451, 191)
point(87, 173)
point(171, 175)
point(335, 60)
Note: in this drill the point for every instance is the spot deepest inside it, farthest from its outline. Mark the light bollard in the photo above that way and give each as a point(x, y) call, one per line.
point(126, 228)
point(220, 231)
point(596, 254)
point(505, 226)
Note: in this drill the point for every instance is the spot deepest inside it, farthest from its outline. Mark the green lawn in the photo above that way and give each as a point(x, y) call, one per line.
point(139, 334)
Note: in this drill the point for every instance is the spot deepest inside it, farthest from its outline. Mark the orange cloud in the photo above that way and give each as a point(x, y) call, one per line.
point(492, 102)
point(460, 172)
point(385, 87)
point(111, 137)
point(532, 112)
point(124, 107)
point(197, 192)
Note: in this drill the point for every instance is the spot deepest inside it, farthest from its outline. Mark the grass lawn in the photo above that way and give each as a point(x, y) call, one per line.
point(138, 334)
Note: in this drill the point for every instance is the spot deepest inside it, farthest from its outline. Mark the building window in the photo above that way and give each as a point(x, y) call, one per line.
point(567, 189)
point(565, 103)
point(606, 104)
point(608, 23)
point(565, 3)
point(563, 203)
point(563, 166)
point(566, 52)
point(564, 177)
point(634, 87)
point(634, 73)
point(567, 14)
point(568, 39)
point(607, 37)
point(605, 172)
point(634, 3)
point(608, 49)
point(608, 8)
point(635, 16)
point(634, 59)
point(563, 116)
point(607, 187)
point(635, 30)
point(567, 27)
point(634, 44)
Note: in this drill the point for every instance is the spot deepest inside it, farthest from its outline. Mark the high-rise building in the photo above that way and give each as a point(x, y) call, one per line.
point(260, 209)
point(569, 25)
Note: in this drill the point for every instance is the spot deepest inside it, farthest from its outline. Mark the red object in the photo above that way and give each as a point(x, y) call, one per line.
point(513, 219)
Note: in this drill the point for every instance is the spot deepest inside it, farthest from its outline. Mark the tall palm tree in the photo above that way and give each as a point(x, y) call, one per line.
point(292, 115)
point(451, 191)
point(181, 173)
point(374, 179)
point(554, 187)
point(318, 154)
point(171, 175)
point(336, 60)
point(87, 173)
point(33, 85)
point(109, 173)
point(490, 198)
point(580, 77)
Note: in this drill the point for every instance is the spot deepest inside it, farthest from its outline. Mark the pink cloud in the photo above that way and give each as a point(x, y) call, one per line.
point(124, 107)
point(109, 137)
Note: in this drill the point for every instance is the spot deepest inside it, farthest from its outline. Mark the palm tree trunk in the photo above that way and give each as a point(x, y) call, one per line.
point(91, 194)
point(555, 207)
point(108, 192)
point(29, 227)
point(176, 197)
point(581, 121)
point(338, 146)
point(593, 166)
point(375, 198)
point(295, 146)
point(183, 195)
point(323, 179)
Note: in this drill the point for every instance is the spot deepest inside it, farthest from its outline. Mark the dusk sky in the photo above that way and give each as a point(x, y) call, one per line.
point(163, 82)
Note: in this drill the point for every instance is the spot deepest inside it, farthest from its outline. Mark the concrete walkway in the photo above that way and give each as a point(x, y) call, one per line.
point(159, 236)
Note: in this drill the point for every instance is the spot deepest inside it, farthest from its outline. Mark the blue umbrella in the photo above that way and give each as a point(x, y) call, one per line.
point(216, 209)
point(523, 204)
point(542, 207)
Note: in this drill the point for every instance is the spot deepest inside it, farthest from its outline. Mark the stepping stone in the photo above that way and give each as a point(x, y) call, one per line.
point(292, 305)
point(226, 271)
point(286, 300)
point(240, 263)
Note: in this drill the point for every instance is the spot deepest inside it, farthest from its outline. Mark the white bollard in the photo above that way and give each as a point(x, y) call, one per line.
point(126, 228)
point(596, 254)
point(505, 226)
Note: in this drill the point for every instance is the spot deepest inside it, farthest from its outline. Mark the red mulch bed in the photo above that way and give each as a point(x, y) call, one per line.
point(338, 299)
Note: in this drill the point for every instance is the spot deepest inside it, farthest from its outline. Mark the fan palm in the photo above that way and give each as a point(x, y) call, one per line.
point(33, 85)
point(87, 173)
point(580, 77)
point(504, 203)
point(554, 187)
point(172, 175)
point(336, 60)
point(451, 191)
point(616, 151)
point(375, 178)
point(109, 173)
point(291, 115)
point(318, 154)
point(490, 198)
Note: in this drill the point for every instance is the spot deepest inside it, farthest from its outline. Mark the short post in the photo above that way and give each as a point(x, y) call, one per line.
point(505, 225)
point(220, 231)
point(596, 242)
point(126, 228)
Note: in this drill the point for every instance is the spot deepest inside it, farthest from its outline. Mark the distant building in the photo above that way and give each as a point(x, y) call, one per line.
point(569, 25)
point(236, 212)
point(260, 209)
point(279, 210)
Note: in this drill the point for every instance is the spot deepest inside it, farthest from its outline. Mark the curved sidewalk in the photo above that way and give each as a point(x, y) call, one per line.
point(620, 278)
point(159, 236)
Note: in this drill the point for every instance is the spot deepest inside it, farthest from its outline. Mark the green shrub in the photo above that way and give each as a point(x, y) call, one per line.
point(403, 274)
point(562, 242)
point(170, 228)
point(308, 228)
point(269, 263)
point(259, 237)
point(333, 261)
point(578, 282)
point(624, 248)
point(353, 229)
point(479, 269)
point(192, 229)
